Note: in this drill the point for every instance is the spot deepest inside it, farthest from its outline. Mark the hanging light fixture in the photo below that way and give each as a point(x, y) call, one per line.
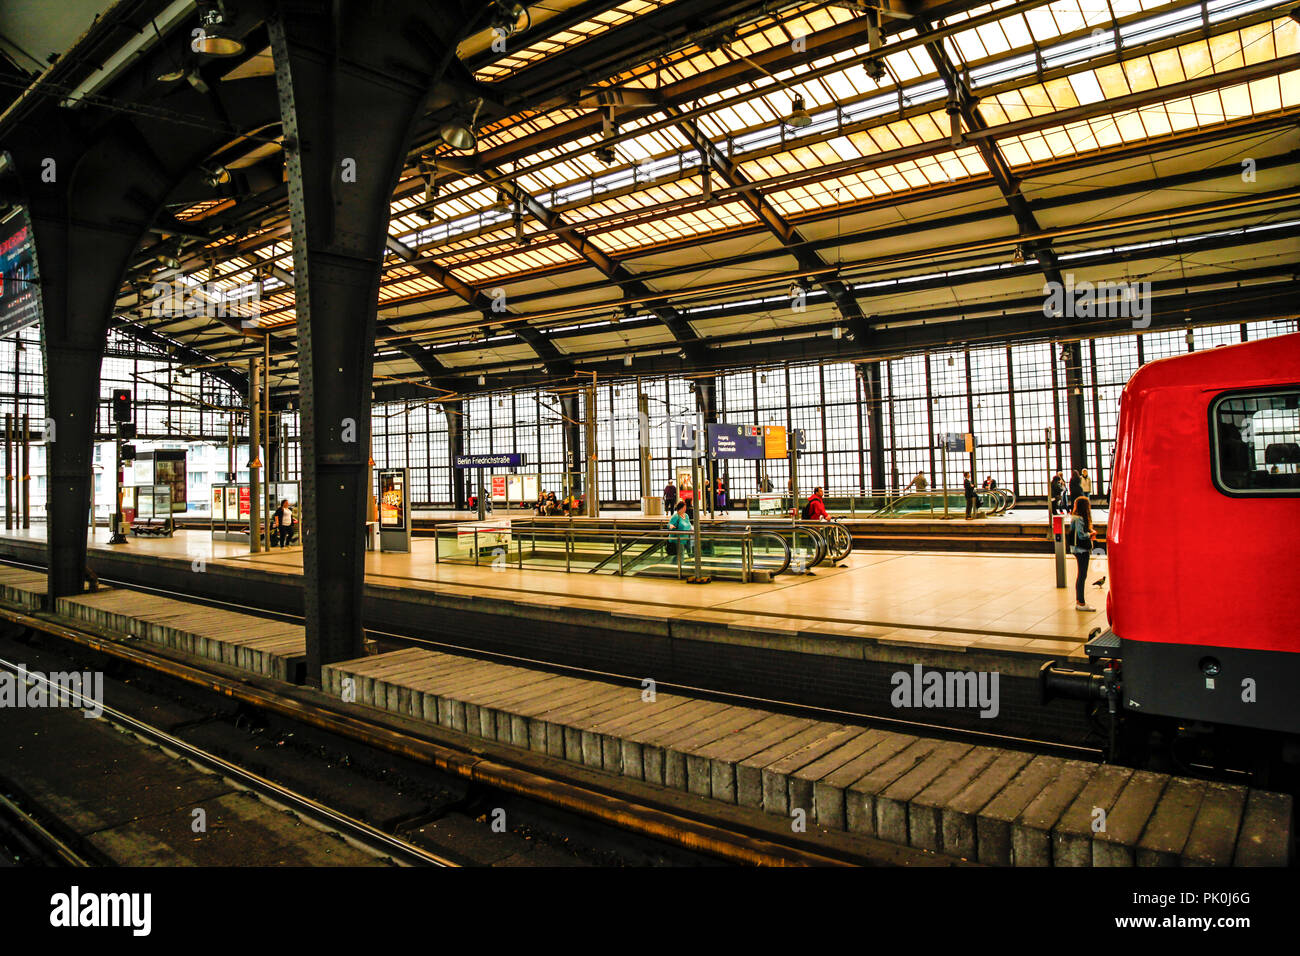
point(457, 132)
point(215, 38)
point(799, 117)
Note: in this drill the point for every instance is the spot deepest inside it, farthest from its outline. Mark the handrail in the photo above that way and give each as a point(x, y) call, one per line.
point(618, 552)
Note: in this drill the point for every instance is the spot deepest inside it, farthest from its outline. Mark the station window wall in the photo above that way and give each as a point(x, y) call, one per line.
point(174, 407)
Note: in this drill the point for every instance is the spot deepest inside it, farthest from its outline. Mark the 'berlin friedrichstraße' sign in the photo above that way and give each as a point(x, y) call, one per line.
point(505, 460)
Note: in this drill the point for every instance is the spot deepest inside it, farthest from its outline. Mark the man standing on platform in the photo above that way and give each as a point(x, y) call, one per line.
point(969, 486)
point(670, 497)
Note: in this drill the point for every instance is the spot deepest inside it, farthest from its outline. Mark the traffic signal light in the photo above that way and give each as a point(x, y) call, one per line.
point(121, 405)
point(126, 430)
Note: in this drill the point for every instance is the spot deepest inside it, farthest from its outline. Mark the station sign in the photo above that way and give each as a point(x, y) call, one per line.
point(681, 436)
point(957, 441)
point(735, 441)
point(505, 460)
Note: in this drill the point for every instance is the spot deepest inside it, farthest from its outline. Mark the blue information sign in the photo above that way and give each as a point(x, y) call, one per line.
point(506, 460)
point(735, 441)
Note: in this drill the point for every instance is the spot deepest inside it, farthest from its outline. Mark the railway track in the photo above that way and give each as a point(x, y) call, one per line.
point(356, 832)
point(605, 806)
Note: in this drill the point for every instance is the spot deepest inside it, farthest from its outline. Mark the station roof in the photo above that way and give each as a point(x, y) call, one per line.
point(696, 184)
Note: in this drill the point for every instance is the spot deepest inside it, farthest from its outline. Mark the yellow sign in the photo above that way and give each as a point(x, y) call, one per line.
point(774, 441)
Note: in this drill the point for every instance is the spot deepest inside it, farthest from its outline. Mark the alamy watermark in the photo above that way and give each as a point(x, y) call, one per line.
point(71, 689)
point(77, 909)
point(182, 299)
point(1098, 300)
point(948, 690)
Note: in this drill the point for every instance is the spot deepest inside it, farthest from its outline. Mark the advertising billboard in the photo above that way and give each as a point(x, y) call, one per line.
point(392, 500)
point(169, 469)
point(19, 289)
point(774, 441)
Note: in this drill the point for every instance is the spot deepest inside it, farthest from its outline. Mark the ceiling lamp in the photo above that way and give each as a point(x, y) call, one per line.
point(875, 69)
point(459, 133)
point(505, 21)
point(627, 360)
point(215, 40)
point(215, 176)
point(482, 379)
point(799, 117)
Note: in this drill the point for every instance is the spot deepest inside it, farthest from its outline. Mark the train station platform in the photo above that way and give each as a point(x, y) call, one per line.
point(987, 804)
point(834, 638)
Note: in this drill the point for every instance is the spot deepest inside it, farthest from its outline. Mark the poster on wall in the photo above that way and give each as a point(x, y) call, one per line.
point(232, 502)
point(498, 487)
point(392, 500)
point(685, 490)
point(219, 503)
point(245, 501)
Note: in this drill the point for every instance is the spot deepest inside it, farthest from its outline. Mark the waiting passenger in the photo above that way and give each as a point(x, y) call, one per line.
point(670, 497)
point(679, 543)
point(721, 496)
point(1085, 482)
point(815, 510)
point(1082, 534)
point(1056, 494)
point(1076, 485)
point(920, 482)
point(283, 523)
point(969, 487)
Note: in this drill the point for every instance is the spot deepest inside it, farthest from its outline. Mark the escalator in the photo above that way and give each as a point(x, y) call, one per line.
point(723, 555)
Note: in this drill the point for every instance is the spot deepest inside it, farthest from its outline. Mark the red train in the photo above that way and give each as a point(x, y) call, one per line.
point(1202, 541)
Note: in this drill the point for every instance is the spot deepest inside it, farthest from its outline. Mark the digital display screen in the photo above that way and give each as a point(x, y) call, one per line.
point(392, 500)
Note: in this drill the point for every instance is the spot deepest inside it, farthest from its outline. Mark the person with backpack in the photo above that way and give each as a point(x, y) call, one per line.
point(969, 487)
point(679, 543)
point(1056, 493)
point(1080, 539)
point(815, 509)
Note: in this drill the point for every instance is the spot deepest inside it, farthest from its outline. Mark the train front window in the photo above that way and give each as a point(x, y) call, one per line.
point(1256, 443)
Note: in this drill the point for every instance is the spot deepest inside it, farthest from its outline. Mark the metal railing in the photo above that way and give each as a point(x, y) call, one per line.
point(927, 504)
point(624, 551)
